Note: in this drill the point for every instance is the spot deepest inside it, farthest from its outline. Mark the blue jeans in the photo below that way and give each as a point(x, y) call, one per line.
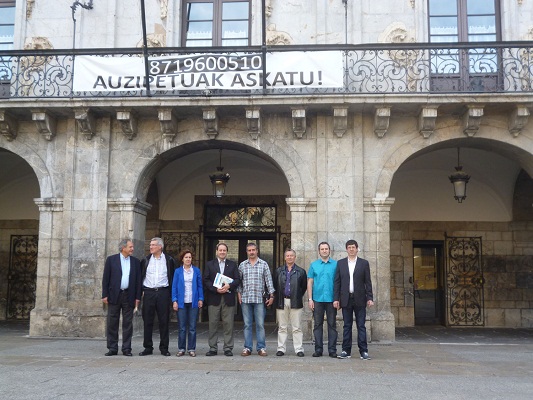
point(360, 317)
point(187, 317)
point(318, 330)
point(251, 311)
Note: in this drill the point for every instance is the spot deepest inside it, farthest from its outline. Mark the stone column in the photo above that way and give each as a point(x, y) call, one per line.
point(377, 251)
point(48, 261)
point(304, 242)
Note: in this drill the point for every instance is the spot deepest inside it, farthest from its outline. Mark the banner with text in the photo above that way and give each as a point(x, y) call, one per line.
point(237, 71)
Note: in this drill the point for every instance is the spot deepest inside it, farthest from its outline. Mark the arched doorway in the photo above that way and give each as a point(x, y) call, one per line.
point(19, 228)
point(187, 215)
point(428, 283)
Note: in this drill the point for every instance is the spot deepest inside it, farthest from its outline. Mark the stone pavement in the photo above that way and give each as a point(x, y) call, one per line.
point(423, 363)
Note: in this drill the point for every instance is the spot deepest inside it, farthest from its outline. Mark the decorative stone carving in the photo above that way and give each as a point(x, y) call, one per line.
point(340, 120)
point(299, 122)
point(169, 123)
point(253, 122)
point(275, 38)
point(426, 121)
point(49, 204)
point(396, 33)
point(412, 3)
point(29, 8)
point(8, 125)
point(163, 7)
point(86, 122)
point(518, 120)
point(210, 122)
point(37, 43)
point(46, 123)
point(156, 39)
point(381, 121)
point(128, 122)
point(268, 8)
point(472, 119)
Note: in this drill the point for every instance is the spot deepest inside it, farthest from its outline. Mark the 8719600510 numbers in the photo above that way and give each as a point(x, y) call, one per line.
point(205, 63)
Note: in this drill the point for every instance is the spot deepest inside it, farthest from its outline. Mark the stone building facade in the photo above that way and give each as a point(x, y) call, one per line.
point(81, 172)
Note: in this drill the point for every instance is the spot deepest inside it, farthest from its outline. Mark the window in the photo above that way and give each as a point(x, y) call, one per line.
point(7, 24)
point(474, 21)
point(216, 23)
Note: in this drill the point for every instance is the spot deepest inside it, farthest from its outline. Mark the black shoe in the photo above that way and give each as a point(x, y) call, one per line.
point(165, 353)
point(127, 353)
point(111, 353)
point(146, 352)
point(300, 354)
point(280, 353)
point(333, 355)
point(317, 354)
point(228, 353)
point(211, 353)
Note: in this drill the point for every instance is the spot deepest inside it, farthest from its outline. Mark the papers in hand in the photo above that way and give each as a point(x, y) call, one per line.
point(220, 280)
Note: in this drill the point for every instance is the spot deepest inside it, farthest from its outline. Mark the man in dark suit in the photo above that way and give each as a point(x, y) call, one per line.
point(221, 301)
point(353, 293)
point(121, 291)
point(157, 274)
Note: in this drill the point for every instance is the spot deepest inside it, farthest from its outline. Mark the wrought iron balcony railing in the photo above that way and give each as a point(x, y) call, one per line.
point(499, 67)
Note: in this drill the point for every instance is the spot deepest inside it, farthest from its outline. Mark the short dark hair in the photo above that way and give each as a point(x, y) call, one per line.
point(222, 244)
point(326, 243)
point(251, 244)
point(350, 242)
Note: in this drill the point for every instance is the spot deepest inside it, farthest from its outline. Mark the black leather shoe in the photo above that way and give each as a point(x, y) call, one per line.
point(146, 352)
point(300, 354)
point(111, 353)
point(127, 353)
point(228, 353)
point(279, 353)
point(211, 353)
point(165, 353)
point(333, 355)
point(317, 354)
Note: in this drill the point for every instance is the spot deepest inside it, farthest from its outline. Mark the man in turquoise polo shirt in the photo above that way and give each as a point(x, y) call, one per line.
point(320, 280)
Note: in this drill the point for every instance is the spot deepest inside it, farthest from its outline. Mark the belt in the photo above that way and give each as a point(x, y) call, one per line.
point(155, 289)
point(123, 290)
point(287, 297)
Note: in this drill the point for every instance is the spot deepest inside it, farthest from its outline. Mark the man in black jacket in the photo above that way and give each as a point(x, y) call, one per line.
point(157, 274)
point(290, 282)
point(352, 291)
point(121, 291)
point(221, 301)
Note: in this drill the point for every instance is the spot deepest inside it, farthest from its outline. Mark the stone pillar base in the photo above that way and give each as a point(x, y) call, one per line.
point(67, 323)
point(382, 326)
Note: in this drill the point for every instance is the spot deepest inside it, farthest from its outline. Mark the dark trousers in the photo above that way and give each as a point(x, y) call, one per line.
point(318, 315)
point(156, 302)
point(360, 317)
point(113, 318)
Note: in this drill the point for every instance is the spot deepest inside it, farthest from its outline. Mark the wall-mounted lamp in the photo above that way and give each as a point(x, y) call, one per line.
point(459, 179)
point(219, 179)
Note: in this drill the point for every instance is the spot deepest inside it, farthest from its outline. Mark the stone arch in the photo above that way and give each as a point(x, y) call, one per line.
point(287, 164)
point(36, 163)
point(419, 146)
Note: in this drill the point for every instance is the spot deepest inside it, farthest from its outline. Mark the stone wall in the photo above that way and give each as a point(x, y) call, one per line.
point(507, 260)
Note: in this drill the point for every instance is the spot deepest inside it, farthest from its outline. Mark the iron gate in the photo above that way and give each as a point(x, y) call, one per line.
point(464, 282)
point(21, 281)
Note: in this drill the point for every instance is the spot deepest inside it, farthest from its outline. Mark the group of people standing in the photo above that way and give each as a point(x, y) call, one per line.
point(162, 281)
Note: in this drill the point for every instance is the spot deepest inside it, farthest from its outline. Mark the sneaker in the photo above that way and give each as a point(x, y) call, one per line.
point(280, 353)
point(365, 356)
point(246, 352)
point(262, 352)
point(344, 355)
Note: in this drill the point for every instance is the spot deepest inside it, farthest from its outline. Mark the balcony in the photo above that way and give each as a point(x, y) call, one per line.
point(377, 69)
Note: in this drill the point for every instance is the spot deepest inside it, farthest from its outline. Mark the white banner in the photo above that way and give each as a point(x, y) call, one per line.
point(237, 71)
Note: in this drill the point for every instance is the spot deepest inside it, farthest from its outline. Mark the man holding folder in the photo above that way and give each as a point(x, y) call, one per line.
point(221, 300)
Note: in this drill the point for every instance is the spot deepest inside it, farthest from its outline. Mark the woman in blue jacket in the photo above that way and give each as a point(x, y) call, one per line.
point(187, 299)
